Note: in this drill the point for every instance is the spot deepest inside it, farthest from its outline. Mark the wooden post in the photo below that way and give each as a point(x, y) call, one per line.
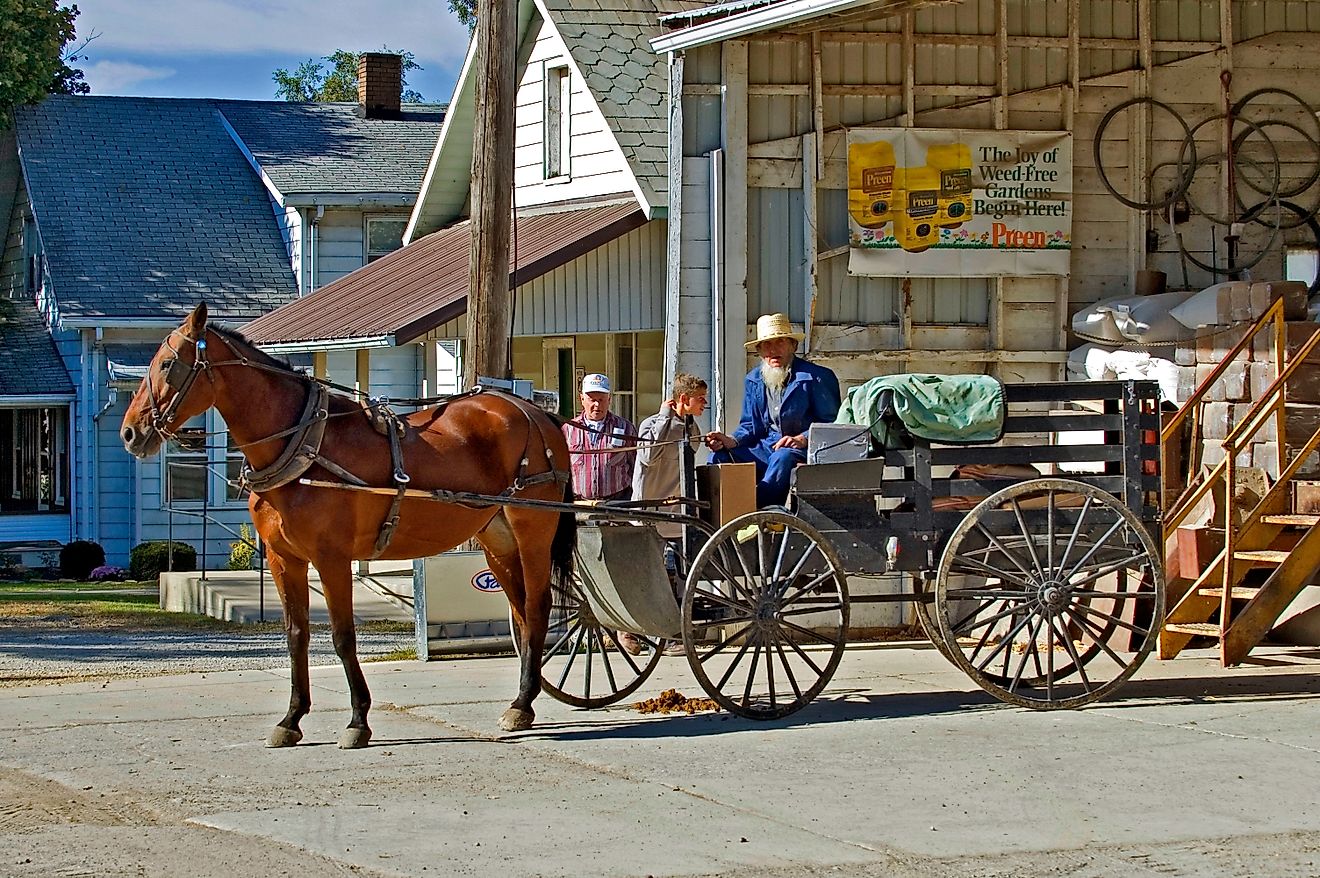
point(489, 309)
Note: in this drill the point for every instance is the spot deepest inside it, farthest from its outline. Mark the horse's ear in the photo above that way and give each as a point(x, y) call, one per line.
point(196, 322)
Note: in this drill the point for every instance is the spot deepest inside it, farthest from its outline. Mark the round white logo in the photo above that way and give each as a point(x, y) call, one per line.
point(485, 581)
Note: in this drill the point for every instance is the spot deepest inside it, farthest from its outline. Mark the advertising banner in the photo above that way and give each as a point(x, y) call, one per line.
point(941, 202)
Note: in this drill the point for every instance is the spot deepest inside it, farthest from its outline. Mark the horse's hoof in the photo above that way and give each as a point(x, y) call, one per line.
point(354, 739)
point(516, 720)
point(282, 737)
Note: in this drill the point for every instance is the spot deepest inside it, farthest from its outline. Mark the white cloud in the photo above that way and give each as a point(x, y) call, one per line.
point(298, 27)
point(119, 77)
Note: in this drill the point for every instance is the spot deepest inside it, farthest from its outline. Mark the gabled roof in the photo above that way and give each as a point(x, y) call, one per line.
point(29, 363)
point(146, 206)
point(328, 148)
point(407, 293)
point(609, 41)
point(609, 44)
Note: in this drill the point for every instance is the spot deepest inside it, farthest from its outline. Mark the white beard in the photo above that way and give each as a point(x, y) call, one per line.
point(775, 377)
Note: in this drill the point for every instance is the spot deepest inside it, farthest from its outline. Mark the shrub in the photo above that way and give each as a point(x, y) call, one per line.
point(148, 560)
point(242, 551)
point(107, 573)
point(79, 558)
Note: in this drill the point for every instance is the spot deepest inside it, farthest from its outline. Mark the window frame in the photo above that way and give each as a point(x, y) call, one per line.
point(369, 255)
point(556, 122)
point(218, 455)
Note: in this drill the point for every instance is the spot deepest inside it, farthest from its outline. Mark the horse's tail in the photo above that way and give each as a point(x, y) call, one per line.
point(565, 539)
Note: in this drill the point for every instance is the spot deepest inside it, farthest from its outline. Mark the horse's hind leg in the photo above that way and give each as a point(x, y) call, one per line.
point(290, 577)
point(524, 541)
point(337, 586)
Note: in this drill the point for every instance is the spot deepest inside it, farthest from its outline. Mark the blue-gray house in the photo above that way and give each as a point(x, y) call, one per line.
point(124, 213)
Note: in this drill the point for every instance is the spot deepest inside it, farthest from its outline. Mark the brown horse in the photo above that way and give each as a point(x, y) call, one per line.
point(486, 443)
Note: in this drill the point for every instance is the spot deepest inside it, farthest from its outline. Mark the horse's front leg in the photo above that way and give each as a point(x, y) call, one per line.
point(290, 575)
point(337, 584)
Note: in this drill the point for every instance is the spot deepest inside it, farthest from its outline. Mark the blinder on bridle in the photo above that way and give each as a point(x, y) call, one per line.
point(179, 377)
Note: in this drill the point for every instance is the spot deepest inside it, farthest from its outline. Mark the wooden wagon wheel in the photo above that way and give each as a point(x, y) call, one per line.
point(765, 614)
point(583, 664)
point(1049, 594)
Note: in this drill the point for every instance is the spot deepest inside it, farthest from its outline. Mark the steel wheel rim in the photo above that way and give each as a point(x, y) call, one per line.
point(1064, 581)
point(582, 663)
point(772, 665)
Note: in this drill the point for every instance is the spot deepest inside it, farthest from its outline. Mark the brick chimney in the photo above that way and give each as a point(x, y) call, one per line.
point(380, 83)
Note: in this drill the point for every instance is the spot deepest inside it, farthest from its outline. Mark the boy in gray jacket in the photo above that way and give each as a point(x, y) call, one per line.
point(656, 469)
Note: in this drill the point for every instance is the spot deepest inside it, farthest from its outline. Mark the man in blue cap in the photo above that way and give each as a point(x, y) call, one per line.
point(782, 398)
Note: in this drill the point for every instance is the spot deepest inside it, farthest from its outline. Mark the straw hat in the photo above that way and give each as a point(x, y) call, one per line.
point(772, 326)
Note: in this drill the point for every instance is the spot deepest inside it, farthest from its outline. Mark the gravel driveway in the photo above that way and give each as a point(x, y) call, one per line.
point(32, 652)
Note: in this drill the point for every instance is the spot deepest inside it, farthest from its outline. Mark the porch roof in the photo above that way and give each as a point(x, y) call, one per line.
point(402, 296)
point(726, 21)
point(30, 365)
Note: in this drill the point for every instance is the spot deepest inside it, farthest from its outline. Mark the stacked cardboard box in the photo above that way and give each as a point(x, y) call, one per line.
point(1250, 374)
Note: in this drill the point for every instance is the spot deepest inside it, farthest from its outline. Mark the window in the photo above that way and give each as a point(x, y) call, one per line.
point(556, 122)
point(32, 263)
point(199, 469)
point(36, 475)
point(384, 235)
point(185, 464)
point(624, 400)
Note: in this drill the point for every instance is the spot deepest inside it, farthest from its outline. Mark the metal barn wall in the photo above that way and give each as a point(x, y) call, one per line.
point(1038, 65)
point(618, 287)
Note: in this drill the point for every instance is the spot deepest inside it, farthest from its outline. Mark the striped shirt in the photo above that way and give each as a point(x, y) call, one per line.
point(601, 476)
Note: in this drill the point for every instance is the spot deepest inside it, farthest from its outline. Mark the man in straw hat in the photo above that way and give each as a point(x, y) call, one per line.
point(782, 398)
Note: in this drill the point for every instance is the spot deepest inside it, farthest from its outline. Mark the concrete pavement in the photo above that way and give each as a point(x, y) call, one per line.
point(901, 767)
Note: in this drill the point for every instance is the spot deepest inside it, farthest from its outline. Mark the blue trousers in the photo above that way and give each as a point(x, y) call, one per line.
point(773, 468)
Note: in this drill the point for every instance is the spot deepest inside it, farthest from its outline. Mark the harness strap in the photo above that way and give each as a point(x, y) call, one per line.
point(303, 450)
point(394, 430)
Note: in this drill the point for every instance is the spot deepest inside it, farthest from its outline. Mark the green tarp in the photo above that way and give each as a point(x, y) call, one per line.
point(949, 409)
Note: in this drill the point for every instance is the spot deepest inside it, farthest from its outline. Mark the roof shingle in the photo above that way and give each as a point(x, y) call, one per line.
point(29, 363)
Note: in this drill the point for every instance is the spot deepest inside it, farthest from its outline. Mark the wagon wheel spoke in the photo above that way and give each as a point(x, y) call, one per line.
point(572, 657)
point(1114, 620)
point(1003, 550)
point(811, 584)
point(1097, 635)
point(733, 665)
point(577, 668)
point(751, 674)
point(725, 643)
point(790, 573)
point(788, 670)
point(1072, 652)
point(1031, 641)
point(982, 569)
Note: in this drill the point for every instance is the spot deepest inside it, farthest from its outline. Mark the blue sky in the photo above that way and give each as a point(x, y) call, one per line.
point(229, 48)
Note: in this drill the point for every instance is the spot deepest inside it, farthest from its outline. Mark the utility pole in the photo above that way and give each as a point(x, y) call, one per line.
point(489, 310)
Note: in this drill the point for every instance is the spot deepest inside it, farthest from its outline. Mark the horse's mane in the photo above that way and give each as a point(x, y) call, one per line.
point(252, 352)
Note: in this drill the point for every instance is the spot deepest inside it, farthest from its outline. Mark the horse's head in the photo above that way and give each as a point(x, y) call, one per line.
point(177, 387)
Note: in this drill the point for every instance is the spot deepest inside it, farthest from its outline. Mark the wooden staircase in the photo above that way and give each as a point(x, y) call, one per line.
point(1270, 553)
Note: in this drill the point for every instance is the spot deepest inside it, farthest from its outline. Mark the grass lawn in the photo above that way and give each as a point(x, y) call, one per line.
point(126, 605)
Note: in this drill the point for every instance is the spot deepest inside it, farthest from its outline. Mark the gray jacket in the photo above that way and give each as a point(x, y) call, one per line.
point(656, 469)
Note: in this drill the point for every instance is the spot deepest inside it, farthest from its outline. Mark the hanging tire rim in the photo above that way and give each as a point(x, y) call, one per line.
point(765, 614)
point(583, 663)
point(1049, 594)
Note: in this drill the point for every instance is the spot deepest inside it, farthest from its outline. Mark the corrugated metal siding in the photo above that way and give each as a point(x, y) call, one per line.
point(776, 253)
point(618, 287)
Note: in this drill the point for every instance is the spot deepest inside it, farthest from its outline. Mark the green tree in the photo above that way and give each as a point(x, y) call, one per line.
point(466, 11)
point(33, 60)
point(311, 81)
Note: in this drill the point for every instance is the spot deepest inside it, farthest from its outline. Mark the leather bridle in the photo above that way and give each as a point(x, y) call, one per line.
point(180, 377)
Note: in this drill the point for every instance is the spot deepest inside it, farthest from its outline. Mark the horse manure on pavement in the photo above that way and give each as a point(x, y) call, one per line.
point(673, 701)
